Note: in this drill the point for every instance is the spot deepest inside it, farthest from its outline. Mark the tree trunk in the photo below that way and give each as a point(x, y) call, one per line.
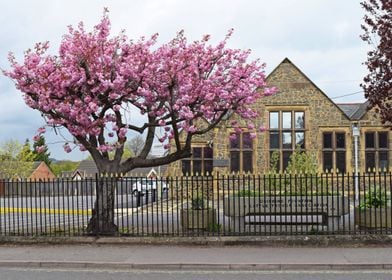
point(102, 220)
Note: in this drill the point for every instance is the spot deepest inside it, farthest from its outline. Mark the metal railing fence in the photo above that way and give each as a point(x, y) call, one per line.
point(218, 205)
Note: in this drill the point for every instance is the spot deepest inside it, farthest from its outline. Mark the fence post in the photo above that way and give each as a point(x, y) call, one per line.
point(138, 199)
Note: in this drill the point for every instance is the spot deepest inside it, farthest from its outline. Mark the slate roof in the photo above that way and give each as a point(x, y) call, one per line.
point(89, 169)
point(354, 111)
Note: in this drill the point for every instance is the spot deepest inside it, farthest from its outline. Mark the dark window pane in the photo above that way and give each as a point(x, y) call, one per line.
point(246, 141)
point(286, 159)
point(340, 141)
point(286, 120)
point(299, 120)
point(235, 141)
point(327, 140)
point(196, 152)
point(286, 141)
point(369, 140)
point(383, 160)
point(247, 161)
point(341, 161)
point(300, 140)
point(234, 161)
point(274, 140)
point(370, 158)
point(197, 166)
point(275, 161)
point(186, 167)
point(274, 120)
point(208, 152)
point(208, 166)
point(383, 140)
point(327, 161)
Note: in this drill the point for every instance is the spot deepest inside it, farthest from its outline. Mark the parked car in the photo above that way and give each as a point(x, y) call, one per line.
point(145, 186)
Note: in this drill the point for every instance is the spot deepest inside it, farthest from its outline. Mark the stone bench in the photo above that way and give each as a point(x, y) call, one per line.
point(285, 210)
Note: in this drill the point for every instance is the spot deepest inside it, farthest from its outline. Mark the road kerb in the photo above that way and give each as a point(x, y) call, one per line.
point(193, 266)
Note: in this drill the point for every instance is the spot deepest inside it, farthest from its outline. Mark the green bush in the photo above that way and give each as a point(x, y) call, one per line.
point(214, 227)
point(198, 202)
point(375, 198)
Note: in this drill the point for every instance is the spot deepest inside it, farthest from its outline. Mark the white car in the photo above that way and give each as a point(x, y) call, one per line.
point(145, 186)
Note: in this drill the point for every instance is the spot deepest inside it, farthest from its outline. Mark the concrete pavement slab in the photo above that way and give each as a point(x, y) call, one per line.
point(190, 257)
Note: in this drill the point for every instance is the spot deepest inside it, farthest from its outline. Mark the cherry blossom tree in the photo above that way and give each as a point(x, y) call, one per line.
point(97, 84)
point(378, 33)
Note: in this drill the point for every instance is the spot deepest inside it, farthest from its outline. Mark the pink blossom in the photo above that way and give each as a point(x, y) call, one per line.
point(41, 130)
point(262, 128)
point(238, 130)
point(166, 146)
point(192, 129)
point(269, 91)
point(233, 136)
point(177, 85)
point(251, 126)
point(67, 148)
point(162, 139)
point(93, 106)
point(122, 132)
point(105, 148)
point(253, 135)
point(40, 149)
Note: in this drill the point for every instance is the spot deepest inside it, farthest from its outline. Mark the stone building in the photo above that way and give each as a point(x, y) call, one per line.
point(300, 116)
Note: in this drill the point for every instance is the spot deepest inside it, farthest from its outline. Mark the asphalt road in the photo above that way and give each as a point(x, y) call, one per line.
point(63, 274)
point(29, 215)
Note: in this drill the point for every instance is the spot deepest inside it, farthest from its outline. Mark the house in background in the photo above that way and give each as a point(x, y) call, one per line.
point(300, 116)
point(88, 169)
point(41, 171)
point(37, 170)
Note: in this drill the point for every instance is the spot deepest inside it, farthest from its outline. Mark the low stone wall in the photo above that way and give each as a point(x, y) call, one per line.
point(319, 211)
point(332, 206)
point(372, 218)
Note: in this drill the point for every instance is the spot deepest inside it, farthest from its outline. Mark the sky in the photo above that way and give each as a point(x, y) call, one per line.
point(320, 36)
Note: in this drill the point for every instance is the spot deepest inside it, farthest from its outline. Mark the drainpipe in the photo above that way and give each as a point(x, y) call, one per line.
point(356, 134)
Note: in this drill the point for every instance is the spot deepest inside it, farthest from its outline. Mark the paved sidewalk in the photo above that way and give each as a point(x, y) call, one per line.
point(192, 257)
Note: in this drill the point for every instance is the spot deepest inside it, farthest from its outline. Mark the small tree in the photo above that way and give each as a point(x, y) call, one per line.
point(303, 167)
point(40, 150)
point(97, 84)
point(302, 162)
point(136, 144)
point(26, 154)
point(15, 161)
point(378, 33)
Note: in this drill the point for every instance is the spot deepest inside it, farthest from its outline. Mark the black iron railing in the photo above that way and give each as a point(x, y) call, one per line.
point(222, 205)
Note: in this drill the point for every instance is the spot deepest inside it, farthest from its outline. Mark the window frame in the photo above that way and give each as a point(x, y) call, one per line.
point(203, 160)
point(291, 131)
point(241, 151)
point(376, 150)
point(334, 150)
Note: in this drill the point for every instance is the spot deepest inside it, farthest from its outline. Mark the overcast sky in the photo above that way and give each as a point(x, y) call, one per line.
point(320, 36)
